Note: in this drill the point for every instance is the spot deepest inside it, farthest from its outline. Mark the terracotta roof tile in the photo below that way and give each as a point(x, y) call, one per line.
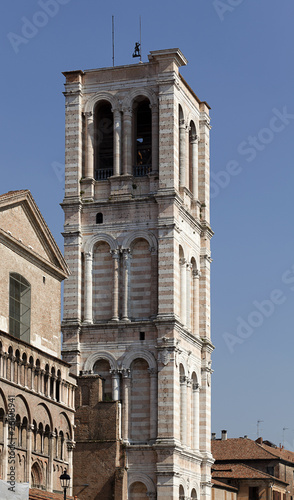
point(220, 484)
point(279, 452)
point(240, 471)
point(240, 449)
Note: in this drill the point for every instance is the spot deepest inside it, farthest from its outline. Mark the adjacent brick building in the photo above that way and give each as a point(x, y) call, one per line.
point(32, 374)
point(259, 470)
point(137, 302)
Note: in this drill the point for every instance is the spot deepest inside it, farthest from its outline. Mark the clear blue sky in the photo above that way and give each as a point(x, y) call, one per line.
point(240, 55)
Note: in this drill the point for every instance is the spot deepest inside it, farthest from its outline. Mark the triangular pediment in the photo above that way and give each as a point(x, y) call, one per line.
point(22, 222)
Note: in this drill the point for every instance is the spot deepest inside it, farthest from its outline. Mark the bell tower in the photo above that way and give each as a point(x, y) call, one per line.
point(137, 242)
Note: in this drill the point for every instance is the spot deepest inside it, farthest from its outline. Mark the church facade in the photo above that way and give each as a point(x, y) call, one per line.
point(137, 242)
point(36, 390)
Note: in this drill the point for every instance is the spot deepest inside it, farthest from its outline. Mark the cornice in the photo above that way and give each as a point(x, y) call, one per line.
point(28, 254)
point(206, 229)
point(43, 233)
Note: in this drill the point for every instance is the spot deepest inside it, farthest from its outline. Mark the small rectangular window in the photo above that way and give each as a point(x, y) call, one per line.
point(142, 335)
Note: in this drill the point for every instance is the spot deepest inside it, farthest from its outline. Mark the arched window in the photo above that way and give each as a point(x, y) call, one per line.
point(181, 493)
point(17, 430)
point(35, 429)
point(193, 494)
point(46, 440)
point(183, 405)
point(24, 427)
point(103, 140)
point(60, 445)
point(19, 307)
point(1, 425)
point(183, 286)
point(182, 149)
point(193, 160)
point(99, 218)
point(58, 381)
point(143, 138)
point(36, 476)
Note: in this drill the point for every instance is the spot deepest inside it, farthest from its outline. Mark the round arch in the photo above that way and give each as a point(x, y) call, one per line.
point(68, 422)
point(96, 356)
point(36, 475)
point(144, 92)
point(134, 235)
point(91, 242)
point(137, 477)
point(194, 486)
point(194, 117)
point(20, 396)
point(192, 260)
point(139, 353)
point(101, 96)
point(195, 376)
point(4, 401)
point(48, 413)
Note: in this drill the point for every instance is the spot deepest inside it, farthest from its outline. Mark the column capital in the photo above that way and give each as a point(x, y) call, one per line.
point(195, 387)
point(152, 372)
point(52, 435)
point(205, 122)
point(182, 123)
point(70, 445)
point(88, 114)
point(183, 379)
point(126, 373)
point(88, 255)
point(116, 111)
point(127, 111)
point(115, 253)
point(196, 274)
point(183, 261)
point(126, 252)
point(194, 139)
point(154, 107)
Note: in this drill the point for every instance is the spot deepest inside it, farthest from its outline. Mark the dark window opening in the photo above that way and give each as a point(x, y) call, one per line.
point(57, 390)
point(99, 218)
point(142, 335)
point(253, 493)
point(19, 307)
point(103, 141)
point(143, 138)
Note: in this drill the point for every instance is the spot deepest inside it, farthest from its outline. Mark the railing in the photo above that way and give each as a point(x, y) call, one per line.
point(103, 173)
point(141, 170)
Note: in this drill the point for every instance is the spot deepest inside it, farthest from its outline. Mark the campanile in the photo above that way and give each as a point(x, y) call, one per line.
point(137, 241)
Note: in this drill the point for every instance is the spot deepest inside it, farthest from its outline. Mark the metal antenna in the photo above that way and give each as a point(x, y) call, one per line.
point(113, 41)
point(258, 422)
point(284, 429)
